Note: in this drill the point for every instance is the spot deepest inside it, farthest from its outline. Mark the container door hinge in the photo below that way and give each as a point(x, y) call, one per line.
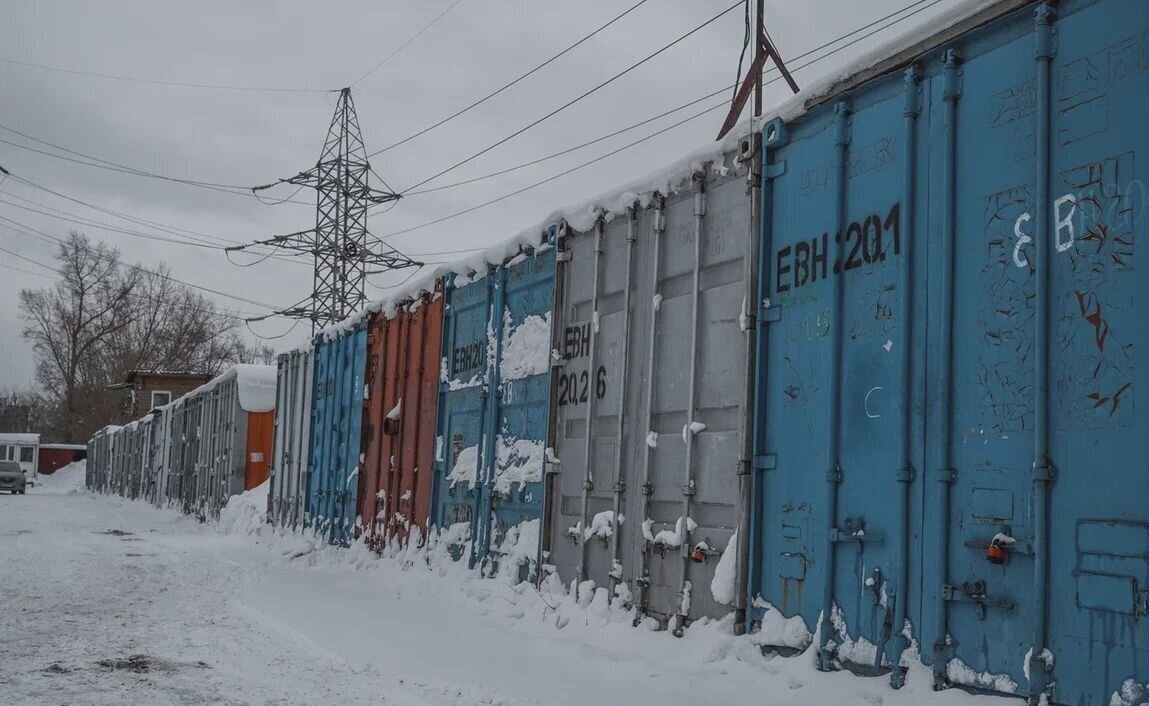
point(769, 314)
point(774, 170)
point(1141, 601)
point(563, 256)
point(766, 462)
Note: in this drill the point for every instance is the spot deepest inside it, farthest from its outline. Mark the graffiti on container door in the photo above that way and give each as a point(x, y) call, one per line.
point(862, 160)
point(576, 388)
point(1092, 223)
point(868, 241)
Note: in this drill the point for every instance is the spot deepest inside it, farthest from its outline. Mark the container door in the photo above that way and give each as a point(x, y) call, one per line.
point(1096, 549)
point(841, 351)
point(323, 433)
point(462, 397)
point(518, 425)
point(349, 368)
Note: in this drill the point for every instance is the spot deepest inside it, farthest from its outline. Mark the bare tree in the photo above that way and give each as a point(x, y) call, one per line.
point(88, 306)
point(103, 319)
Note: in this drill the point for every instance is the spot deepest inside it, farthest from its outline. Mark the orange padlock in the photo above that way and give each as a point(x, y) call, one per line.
point(697, 555)
point(995, 553)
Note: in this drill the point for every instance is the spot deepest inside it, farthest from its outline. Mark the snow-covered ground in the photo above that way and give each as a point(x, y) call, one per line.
point(107, 601)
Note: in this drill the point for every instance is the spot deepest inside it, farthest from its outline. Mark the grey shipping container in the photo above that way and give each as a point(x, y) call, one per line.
point(287, 499)
point(651, 352)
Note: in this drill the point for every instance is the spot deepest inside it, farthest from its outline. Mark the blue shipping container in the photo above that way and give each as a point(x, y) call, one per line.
point(493, 405)
point(336, 419)
point(949, 445)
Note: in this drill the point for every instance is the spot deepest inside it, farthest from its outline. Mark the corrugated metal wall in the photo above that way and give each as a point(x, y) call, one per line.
point(396, 484)
point(287, 499)
point(654, 363)
point(951, 265)
point(494, 402)
point(337, 404)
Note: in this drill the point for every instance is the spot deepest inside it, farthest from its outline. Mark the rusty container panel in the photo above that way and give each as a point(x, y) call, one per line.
point(260, 426)
point(399, 429)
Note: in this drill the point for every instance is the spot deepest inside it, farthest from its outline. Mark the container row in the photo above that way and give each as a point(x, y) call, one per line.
point(866, 375)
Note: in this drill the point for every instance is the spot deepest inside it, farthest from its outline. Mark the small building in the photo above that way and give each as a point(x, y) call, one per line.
point(55, 456)
point(144, 390)
point(24, 449)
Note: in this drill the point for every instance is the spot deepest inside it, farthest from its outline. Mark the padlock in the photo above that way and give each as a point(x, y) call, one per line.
point(995, 553)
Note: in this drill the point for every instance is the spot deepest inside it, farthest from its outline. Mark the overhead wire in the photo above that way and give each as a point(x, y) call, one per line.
point(580, 97)
point(407, 43)
point(160, 82)
point(925, 4)
point(511, 83)
point(109, 165)
point(684, 106)
point(172, 278)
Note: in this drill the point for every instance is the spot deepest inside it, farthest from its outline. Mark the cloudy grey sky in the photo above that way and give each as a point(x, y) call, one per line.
point(253, 137)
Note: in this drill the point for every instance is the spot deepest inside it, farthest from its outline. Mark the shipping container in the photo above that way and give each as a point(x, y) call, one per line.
point(650, 388)
point(287, 498)
point(950, 449)
point(395, 484)
point(337, 408)
point(493, 404)
point(53, 457)
point(218, 439)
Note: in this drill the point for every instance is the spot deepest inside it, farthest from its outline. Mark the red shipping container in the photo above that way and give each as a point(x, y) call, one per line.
point(396, 480)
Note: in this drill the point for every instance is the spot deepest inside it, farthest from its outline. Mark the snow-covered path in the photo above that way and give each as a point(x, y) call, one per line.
point(106, 601)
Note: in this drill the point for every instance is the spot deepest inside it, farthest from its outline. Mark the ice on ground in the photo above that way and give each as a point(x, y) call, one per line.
point(959, 672)
point(779, 631)
point(246, 513)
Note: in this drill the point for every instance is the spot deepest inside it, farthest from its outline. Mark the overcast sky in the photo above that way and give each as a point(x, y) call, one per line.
point(253, 137)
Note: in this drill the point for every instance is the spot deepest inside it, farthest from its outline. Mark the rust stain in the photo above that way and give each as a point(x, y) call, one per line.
point(1091, 312)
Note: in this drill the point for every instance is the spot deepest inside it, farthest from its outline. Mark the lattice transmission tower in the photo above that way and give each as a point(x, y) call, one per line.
point(340, 241)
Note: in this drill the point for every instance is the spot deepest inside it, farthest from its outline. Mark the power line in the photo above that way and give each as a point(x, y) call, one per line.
point(571, 102)
point(926, 4)
point(60, 241)
point(407, 43)
point(549, 179)
point(191, 237)
point(684, 106)
point(100, 163)
point(158, 82)
point(505, 86)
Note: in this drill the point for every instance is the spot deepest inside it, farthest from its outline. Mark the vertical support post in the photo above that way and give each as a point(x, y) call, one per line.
point(620, 426)
point(490, 425)
point(905, 472)
point(556, 237)
point(946, 473)
point(834, 472)
point(1043, 467)
point(415, 408)
point(588, 419)
point(642, 581)
point(751, 158)
point(688, 433)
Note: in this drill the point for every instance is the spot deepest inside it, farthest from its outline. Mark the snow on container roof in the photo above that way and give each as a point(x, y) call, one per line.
point(897, 53)
point(64, 447)
point(12, 438)
point(256, 385)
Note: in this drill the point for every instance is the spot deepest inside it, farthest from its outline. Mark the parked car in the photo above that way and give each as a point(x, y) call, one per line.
point(12, 477)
